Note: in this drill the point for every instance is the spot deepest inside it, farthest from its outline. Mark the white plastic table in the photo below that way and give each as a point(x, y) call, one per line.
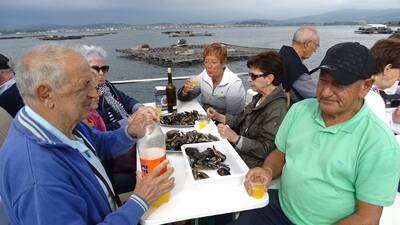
point(189, 201)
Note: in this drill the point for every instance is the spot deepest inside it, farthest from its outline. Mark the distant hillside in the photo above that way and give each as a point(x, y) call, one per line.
point(349, 15)
point(256, 22)
point(339, 17)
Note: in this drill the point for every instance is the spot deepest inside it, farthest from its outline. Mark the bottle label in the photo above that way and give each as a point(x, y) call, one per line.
point(152, 158)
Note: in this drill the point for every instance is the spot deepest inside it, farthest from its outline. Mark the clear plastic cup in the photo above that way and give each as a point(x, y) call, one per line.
point(201, 122)
point(195, 80)
point(258, 187)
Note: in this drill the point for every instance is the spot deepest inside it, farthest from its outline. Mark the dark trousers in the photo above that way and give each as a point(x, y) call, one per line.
point(272, 214)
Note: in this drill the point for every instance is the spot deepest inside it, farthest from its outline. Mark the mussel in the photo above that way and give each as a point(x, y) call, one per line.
point(198, 175)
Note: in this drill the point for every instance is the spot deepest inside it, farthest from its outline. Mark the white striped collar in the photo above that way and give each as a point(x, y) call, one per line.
point(25, 120)
point(40, 127)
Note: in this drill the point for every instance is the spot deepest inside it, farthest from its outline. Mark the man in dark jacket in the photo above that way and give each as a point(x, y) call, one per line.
point(10, 99)
point(296, 78)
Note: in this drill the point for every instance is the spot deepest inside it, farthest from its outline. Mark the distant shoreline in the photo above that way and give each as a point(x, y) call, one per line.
point(118, 27)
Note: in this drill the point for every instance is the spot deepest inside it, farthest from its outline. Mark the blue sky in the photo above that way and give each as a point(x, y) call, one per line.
point(155, 11)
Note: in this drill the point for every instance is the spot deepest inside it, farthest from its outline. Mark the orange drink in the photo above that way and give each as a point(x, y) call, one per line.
point(159, 110)
point(258, 187)
point(258, 191)
point(149, 159)
point(195, 83)
point(202, 124)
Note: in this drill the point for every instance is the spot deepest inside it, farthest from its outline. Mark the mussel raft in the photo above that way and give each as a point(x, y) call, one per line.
point(182, 55)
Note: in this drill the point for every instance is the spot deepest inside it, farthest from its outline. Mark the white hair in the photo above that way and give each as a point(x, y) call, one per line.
point(91, 52)
point(305, 33)
point(42, 64)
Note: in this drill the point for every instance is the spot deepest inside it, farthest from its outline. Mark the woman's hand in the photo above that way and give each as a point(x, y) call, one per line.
point(187, 87)
point(228, 133)
point(214, 115)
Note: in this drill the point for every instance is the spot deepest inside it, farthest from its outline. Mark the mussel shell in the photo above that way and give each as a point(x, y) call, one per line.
point(219, 154)
point(190, 151)
point(202, 175)
point(222, 171)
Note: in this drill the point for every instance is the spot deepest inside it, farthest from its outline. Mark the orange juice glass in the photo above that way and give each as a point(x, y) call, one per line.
point(258, 187)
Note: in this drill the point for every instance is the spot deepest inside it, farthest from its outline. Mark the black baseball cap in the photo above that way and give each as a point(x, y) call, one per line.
point(348, 62)
point(4, 62)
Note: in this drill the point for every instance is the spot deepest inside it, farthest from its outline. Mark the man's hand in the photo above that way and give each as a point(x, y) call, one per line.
point(151, 187)
point(187, 87)
point(257, 173)
point(228, 133)
point(137, 120)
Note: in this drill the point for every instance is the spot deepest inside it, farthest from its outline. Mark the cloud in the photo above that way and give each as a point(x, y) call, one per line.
point(189, 10)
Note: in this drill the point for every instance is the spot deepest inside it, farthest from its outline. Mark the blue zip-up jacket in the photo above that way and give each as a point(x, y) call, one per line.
point(43, 181)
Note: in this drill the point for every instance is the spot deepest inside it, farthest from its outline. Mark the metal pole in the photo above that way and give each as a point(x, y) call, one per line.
point(156, 79)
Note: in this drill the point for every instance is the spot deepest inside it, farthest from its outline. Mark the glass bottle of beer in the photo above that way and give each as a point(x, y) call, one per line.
point(152, 152)
point(171, 93)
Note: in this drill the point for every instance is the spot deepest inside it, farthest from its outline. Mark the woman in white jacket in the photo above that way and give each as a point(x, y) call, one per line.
point(219, 86)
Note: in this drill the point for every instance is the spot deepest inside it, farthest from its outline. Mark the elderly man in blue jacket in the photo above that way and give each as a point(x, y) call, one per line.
point(50, 170)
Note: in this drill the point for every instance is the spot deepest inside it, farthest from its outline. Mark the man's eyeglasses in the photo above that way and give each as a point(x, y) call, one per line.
point(104, 68)
point(255, 76)
point(316, 44)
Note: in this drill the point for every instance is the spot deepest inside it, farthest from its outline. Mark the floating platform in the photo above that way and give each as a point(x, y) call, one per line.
point(183, 55)
point(186, 33)
point(60, 37)
point(11, 37)
point(374, 29)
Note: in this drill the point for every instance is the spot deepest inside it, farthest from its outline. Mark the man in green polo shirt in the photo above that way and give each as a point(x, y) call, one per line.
point(339, 164)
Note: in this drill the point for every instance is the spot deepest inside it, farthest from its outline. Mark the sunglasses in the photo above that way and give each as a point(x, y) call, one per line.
point(104, 68)
point(255, 76)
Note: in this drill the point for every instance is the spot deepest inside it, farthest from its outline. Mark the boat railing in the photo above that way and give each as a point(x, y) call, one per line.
point(117, 82)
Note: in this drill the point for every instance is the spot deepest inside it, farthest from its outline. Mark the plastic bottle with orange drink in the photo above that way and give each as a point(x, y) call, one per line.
point(152, 152)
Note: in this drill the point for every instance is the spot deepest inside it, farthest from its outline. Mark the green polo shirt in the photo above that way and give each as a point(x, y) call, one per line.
point(327, 169)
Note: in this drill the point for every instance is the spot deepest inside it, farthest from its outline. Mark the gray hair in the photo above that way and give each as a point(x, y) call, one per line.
point(42, 64)
point(91, 52)
point(305, 33)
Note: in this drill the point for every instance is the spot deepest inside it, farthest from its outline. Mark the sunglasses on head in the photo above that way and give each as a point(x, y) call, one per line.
point(104, 68)
point(255, 76)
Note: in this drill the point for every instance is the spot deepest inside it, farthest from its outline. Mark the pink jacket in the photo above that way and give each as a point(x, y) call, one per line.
point(94, 120)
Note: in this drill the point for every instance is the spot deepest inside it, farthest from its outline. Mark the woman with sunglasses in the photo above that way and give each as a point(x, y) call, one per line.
point(218, 87)
point(253, 131)
point(114, 107)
